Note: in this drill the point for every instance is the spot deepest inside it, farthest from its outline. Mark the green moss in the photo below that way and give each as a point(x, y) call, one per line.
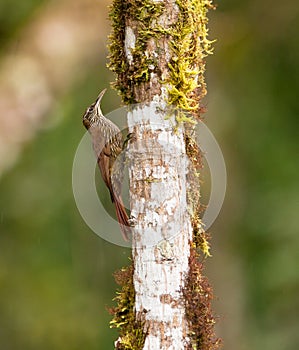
point(142, 16)
point(117, 57)
point(189, 45)
point(131, 335)
point(187, 38)
point(200, 237)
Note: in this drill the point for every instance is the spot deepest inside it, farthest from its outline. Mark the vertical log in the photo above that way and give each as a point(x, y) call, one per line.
point(157, 52)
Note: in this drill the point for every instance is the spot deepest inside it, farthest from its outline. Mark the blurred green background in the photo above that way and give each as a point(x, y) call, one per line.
point(55, 273)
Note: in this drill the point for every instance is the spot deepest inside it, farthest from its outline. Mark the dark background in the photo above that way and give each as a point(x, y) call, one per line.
point(55, 273)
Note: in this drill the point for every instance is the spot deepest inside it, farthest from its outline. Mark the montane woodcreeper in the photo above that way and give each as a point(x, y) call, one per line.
point(108, 144)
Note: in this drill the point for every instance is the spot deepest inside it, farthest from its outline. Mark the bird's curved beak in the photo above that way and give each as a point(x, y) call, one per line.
point(98, 101)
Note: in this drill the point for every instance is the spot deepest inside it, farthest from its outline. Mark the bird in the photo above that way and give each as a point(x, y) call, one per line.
point(108, 144)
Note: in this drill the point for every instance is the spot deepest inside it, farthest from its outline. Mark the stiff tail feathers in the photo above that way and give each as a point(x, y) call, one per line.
point(122, 217)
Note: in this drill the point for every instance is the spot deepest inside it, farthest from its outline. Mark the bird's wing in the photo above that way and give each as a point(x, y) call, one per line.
point(104, 165)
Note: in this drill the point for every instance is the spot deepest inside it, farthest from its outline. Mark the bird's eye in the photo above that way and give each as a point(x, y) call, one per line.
point(89, 110)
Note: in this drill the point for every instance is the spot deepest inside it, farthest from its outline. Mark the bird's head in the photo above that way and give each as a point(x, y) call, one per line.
point(93, 112)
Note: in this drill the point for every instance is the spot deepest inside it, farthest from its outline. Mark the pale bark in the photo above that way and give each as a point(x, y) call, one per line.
point(162, 232)
point(163, 229)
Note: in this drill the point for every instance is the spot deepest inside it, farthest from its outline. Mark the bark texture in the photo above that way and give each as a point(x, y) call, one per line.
point(157, 51)
point(162, 233)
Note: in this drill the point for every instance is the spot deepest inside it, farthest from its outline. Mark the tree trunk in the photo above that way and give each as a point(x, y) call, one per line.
point(157, 50)
point(163, 232)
